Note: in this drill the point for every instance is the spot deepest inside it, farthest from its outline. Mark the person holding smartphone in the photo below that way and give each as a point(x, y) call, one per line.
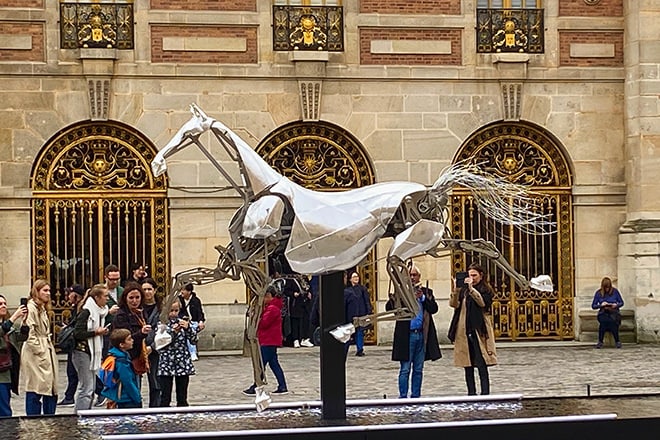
point(471, 328)
point(415, 340)
point(10, 343)
point(608, 302)
point(90, 328)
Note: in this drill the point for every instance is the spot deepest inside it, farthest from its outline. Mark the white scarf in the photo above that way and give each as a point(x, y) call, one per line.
point(96, 319)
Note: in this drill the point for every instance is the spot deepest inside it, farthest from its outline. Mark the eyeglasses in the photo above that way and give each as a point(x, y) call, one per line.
point(113, 279)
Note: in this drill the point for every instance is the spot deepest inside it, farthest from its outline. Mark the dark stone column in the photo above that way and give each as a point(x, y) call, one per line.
point(333, 367)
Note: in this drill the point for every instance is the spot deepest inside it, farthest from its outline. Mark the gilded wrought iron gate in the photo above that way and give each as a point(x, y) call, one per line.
point(96, 202)
point(321, 156)
point(522, 153)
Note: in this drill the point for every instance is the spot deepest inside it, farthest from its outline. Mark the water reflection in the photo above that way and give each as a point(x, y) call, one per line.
point(92, 428)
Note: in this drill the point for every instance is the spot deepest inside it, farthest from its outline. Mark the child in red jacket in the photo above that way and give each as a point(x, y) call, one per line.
point(269, 334)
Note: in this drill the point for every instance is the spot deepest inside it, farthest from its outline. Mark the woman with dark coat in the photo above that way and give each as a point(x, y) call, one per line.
point(152, 309)
point(415, 340)
point(356, 303)
point(11, 339)
point(131, 317)
point(471, 329)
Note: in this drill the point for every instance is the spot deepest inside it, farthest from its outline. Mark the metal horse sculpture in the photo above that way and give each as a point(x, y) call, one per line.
point(322, 232)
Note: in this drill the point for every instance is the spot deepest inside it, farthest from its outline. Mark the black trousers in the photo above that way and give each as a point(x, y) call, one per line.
point(608, 323)
point(154, 383)
point(181, 383)
point(477, 360)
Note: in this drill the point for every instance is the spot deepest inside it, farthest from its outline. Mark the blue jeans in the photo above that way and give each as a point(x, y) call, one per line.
point(72, 378)
point(192, 348)
point(359, 341)
point(269, 357)
point(416, 361)
point(33, 405)
point(5, 400)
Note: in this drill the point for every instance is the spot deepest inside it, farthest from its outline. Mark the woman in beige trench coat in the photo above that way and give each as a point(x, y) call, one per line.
point(38, 359)
point(471, 329)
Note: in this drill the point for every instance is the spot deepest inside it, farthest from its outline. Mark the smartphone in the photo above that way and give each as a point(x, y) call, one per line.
point(460, 279)
point(24, 301)
point(108, 325)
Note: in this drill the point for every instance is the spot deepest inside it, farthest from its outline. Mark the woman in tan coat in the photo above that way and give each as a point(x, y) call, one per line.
point(471, 329)
point(38, 359)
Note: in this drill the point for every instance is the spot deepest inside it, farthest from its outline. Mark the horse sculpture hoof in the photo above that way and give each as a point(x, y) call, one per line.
point(343, 332)
point(542, 283)
point(263, 400)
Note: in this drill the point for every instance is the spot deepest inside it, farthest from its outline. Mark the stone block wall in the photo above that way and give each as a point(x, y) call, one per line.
point(411, 111)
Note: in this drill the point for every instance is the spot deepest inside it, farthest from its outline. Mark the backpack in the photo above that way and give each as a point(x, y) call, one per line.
point(65, 339)
point(107, 373)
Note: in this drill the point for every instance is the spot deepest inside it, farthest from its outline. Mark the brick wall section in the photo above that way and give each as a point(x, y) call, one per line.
point(566, 38)
point(160, 56)
point(205, 5)
point(36, 30)
point(22, 4)
point(578, 8)
point(404, 7)
point(367, 35)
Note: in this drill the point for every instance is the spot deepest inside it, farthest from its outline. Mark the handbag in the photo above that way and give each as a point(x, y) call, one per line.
point(162, 338)
point(5, 357)
point(66, 341)
point(141, 362)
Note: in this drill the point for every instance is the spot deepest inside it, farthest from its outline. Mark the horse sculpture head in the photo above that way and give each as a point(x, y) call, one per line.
point(197, 125)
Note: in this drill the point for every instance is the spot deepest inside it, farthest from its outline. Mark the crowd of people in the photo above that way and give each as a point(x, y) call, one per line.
point(121, 321)
point(114, 326)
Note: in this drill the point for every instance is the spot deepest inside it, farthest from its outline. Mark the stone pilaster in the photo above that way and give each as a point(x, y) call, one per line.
point(639, 237)
point(310, 68)
point(98, 68)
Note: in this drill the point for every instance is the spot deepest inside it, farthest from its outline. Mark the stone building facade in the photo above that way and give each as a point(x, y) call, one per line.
point(409, 83)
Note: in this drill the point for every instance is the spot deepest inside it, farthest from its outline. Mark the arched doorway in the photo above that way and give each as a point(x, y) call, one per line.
point(523, 153)
point(95, 202)
point(324, 157)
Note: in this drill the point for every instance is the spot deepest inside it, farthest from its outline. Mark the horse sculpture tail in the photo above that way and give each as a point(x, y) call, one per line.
point(504, 201)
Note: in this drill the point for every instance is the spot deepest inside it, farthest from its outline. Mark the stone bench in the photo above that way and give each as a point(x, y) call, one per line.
point(589, 327)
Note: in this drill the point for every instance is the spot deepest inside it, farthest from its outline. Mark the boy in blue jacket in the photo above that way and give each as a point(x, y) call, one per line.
point(127, 392)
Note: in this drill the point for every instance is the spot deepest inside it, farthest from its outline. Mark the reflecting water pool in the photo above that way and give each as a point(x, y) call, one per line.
point(308, 415)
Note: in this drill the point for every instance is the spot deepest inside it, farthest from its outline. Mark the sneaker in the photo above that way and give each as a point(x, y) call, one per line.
point(280, 392)
point(296, 344)
point(599, 345)
point(66, 402)
point(618, 345)
point(306, 343)
point(100, 401)
point(250, 391)
point(360, 353)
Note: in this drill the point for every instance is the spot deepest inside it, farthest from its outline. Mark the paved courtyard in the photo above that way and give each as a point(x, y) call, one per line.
point(535, 370)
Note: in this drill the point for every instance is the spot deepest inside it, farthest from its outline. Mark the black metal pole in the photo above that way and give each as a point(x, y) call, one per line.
point(333, 366)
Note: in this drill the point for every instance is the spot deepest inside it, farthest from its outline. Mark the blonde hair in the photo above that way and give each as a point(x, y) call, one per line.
point(34, 293)
point(96, 291)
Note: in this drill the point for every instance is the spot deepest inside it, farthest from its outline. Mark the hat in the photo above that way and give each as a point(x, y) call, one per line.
point(78, 289)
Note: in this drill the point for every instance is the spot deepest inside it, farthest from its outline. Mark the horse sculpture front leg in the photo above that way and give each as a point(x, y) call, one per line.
point(489, 250)
point(256, 282)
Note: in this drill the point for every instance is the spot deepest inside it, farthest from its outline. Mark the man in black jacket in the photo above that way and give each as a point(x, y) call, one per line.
point(415, 340)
